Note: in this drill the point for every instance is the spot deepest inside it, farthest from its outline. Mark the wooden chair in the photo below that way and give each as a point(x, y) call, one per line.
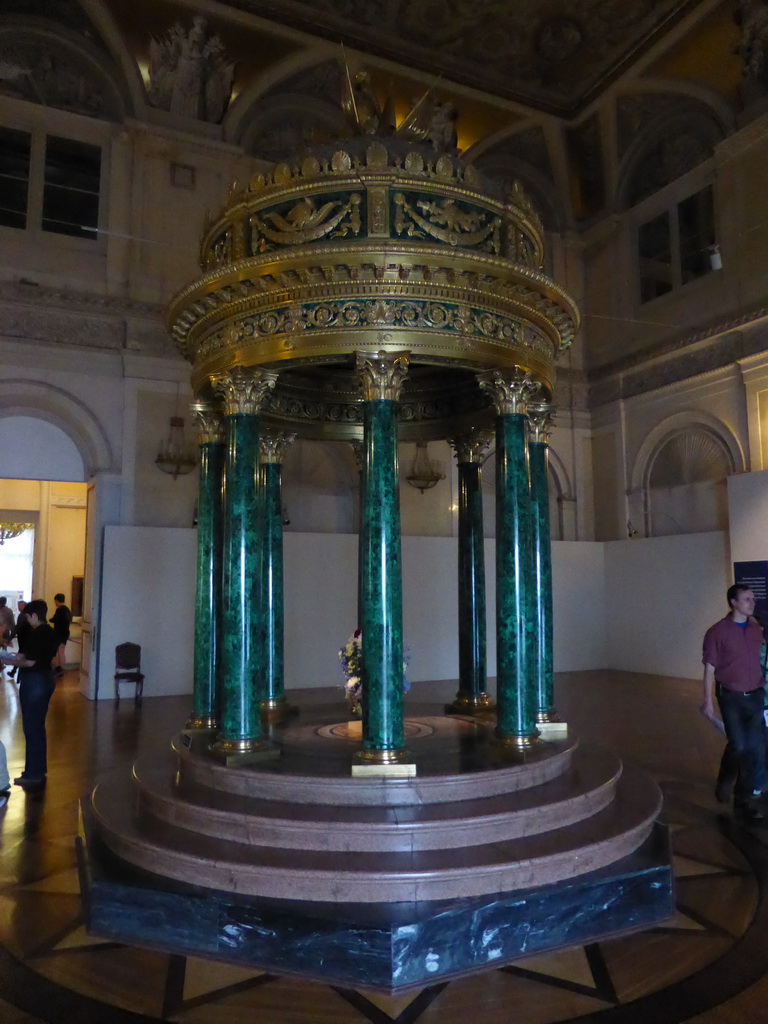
point(128, 669)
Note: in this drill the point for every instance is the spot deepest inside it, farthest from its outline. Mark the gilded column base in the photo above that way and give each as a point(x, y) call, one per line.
point(515, 747)
point(243, 751)
point(277, 711)
point(550, 715)
point(207, 722)
point(475, 704)
point(382, 757)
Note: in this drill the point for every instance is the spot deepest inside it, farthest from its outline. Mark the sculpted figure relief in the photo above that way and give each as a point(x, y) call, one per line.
point(752, 16)
point(190, 74)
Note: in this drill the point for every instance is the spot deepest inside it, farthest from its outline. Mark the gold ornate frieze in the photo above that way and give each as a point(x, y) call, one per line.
point(510, 392)
point(304, 222)
point(210, 427)
point(472, 446)
point(447, 221)
point(541, 417)
point(381, 374)
point(242, 390)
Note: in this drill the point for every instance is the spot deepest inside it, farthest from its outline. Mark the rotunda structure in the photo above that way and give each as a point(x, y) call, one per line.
point(371, 292)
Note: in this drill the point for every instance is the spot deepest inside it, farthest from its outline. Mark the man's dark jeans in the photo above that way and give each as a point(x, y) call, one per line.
point(742, 715)
point(35, 692)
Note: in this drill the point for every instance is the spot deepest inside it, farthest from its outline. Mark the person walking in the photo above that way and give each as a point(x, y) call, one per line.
point(7, 621)
point(61, 621)
point(36, 686)
point(19, 631)
point(733, 674)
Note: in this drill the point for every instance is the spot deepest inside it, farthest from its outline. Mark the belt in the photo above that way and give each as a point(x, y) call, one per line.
point(722, 688)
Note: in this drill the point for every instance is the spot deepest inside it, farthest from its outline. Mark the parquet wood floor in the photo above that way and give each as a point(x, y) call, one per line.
point(709, 965)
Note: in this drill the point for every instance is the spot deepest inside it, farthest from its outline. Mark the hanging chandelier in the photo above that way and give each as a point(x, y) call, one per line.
point(8, 531)
point(424, 472)
point(175, 456)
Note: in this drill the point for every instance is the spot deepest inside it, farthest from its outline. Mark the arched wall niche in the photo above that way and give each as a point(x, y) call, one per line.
point(660, 137)
point(296, 105)
point(41, 401)
point(680, 475)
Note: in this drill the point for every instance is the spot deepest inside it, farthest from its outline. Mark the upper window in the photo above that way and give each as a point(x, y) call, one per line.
point(49, 183)
point(677, 246)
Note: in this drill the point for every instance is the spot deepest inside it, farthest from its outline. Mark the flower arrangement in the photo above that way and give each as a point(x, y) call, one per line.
point(351, 658)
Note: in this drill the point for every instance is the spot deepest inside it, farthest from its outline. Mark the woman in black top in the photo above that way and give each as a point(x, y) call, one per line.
point(38, 648)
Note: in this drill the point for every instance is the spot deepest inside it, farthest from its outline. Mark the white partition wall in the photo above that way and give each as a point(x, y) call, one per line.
point(148, 598)
point(149, 593)
point(661, 595)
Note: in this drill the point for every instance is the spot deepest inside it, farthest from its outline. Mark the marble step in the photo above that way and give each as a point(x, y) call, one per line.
point(285, 780)
point(322, 875)
point(584, 789)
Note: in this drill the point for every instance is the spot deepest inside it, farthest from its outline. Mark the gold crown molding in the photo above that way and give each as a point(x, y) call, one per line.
point(321, 272)
point(242, 390)
point(510, 392)
point(472, 446)
point(210, 427)
point(381, 373)
point(540, 421)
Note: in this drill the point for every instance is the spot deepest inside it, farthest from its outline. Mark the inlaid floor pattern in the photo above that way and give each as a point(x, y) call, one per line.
point(710, 960)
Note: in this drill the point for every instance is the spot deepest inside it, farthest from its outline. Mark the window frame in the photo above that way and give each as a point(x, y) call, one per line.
point(39, 123)
point(666, 201)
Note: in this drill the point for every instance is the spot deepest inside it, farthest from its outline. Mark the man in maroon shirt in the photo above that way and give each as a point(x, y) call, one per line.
point(733, 673)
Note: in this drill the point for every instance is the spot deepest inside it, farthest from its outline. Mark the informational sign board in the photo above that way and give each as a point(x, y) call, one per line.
point(755, 576)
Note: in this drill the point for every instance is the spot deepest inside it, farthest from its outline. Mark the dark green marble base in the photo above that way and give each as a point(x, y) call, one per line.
point(386, 946)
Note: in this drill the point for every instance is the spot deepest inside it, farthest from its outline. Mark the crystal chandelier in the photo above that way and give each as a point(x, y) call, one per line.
point(176, 457)
point(424, 472)
point(10, 530)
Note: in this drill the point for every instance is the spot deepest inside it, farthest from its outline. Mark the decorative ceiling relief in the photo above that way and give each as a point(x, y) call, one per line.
point(635, 112)
point(190, 74)
point(552, 54)
point(752, 17)
point(679, 139)
point(44, 67)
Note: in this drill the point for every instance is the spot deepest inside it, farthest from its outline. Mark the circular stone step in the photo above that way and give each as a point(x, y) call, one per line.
point(584, 789)
point(256, 869)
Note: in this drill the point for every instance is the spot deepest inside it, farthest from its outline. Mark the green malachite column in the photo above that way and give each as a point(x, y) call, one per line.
point(205, 712)
point(515, 620)
point(358, 449)
point(381, 609)
point(540, 423)
point(271, 685)
point(470, 450)
point(243, 392)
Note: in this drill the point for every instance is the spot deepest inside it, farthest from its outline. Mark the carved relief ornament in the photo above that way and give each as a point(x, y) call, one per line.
point(210, 427)
point(510, 391)
point(273, 445)
point(382, 375)
point(242, 390)
point(540, 422)
point(472, 446)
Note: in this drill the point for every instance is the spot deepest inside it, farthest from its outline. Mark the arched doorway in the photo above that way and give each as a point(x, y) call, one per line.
point(686, 489)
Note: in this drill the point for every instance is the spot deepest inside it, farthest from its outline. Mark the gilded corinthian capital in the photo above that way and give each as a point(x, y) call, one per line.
point(210, 428)
point(273, 445)
point(472, 446)
point(540, 421)
point(382, 375)
point(243, 390)
point(510, 391)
